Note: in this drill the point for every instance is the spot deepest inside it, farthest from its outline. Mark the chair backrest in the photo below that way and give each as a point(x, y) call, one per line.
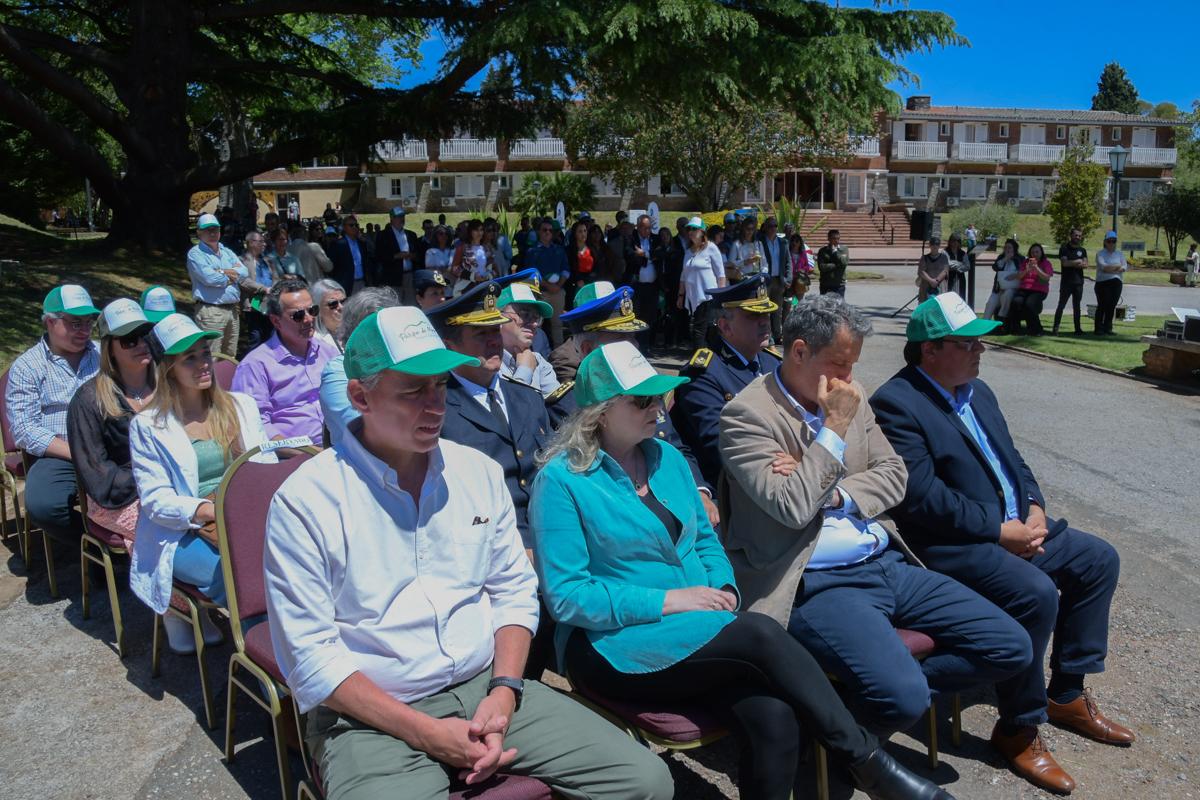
point(243, 500)
point(223, 370)
point(10, 444)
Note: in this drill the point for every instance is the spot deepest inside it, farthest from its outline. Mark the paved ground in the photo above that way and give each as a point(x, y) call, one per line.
point(1114, 456)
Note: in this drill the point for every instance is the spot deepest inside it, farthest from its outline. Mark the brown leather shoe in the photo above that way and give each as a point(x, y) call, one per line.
point(1027, 755)
point(1082, 716)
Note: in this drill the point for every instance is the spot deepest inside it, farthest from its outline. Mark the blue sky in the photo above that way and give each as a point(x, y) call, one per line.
point(1038, 53)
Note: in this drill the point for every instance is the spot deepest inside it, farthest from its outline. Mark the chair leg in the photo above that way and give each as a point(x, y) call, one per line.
point(933, 734)
point(198, 634)
point(956, 720)
point(48, 547)
point(84, 559)
point(281, 756)
point(156, 645)
point(822, 766)
point(118, 624)
point(230, 698)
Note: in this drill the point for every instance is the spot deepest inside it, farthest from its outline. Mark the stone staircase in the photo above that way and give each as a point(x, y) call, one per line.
point(857, 230)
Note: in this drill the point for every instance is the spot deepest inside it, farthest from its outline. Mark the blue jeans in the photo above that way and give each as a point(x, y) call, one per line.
point(846, 618)
point(50, 496)
point(197, 562)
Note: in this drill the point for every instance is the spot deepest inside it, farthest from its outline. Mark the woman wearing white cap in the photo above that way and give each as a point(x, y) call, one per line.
point(703, 269)
point(180, 446)
point(100, 413)
point(1110, 266)
point(645, 598)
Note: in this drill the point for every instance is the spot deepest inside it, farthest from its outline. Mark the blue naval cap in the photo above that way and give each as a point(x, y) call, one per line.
point(612, 312)
point(527, 276)
point(750, 294)
point(475, 307)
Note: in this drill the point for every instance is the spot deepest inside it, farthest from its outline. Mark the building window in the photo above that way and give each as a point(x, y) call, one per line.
point(504, 182)
point(913, 186)
point(944, 129)
point(435, 183)
point(1030, 189)
point(974, 188)
point(754, 194)
point(397, 187)
point(1116, 134)
point(944, 183)
point(1060, 132)
point(604, 187)
point(1003, 130)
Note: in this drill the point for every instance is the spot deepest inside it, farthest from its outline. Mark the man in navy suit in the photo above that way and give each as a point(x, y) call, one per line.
point(973, 510)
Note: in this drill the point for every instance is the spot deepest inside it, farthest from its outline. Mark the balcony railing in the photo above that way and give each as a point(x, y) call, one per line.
point(1100, 156)
point(467, 149)
point(403, 151)
point(1036, 153)
point(979, 151)
point(1153, 156)
point(867, 146)
point(537, 148)
point(920, 151)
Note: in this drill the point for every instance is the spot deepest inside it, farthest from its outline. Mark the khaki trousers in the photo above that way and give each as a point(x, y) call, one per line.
point(560, 742)
point(223, 319)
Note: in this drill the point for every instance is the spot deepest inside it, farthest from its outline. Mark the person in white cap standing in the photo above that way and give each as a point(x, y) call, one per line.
point(41, 383)
point(703, 269)
point(216, 272)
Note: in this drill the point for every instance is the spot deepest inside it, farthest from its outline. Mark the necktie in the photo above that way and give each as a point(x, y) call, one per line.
point(496, 409)
point(755, 366)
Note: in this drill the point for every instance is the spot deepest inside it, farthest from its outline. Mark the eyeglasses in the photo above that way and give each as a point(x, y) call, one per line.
point(299, 314)
point(645, 401)
point(333, 304)
point(130, 341)
point(964, 344)
point(526, 316)
point(78, 323)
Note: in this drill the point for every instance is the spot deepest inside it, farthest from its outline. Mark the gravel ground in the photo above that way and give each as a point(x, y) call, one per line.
point(1114, 456)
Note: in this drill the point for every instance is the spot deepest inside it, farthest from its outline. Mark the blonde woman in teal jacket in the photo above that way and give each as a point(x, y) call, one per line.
point(645, 600)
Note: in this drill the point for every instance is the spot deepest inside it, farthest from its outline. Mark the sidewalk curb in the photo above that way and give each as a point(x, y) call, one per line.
point(1070, 362)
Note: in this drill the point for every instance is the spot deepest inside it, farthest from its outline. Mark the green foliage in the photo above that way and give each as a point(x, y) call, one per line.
point(1165, 110)
point(1174, 210)
point(1078, 194)
point(1114, 91)
point(540, 194)
point(787, 212)
point(991, 219)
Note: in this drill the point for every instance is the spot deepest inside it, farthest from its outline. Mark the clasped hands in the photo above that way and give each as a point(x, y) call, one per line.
point(1025, 539)
point(475, 746)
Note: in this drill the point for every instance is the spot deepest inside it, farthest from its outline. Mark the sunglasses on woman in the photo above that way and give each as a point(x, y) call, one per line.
point(645, 401)
point(334, 304)
point(299, 314)
point(130, 341)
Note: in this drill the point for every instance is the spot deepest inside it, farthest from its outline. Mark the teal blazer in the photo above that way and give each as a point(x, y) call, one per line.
point(605, 561)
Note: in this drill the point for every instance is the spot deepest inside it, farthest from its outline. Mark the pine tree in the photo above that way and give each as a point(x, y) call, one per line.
point(1114, 91)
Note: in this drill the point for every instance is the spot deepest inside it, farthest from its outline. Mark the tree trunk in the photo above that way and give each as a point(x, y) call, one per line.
point(150, 215)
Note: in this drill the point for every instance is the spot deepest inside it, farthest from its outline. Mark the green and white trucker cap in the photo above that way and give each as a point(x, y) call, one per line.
point(593, 291)
point(947, 314)
point(400, 338)
point(157, 302)
point(70, 299)
point(522, 293)
point(123, 317)
point(616, 369)
point(176, 333)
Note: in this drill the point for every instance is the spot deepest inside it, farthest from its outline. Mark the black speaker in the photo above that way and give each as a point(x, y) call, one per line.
point(1191, 329)
point(920, 226)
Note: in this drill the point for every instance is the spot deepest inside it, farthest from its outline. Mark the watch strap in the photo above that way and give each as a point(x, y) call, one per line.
point(516, 684)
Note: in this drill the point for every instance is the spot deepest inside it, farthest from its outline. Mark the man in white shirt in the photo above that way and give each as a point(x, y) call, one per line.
point(389, 559)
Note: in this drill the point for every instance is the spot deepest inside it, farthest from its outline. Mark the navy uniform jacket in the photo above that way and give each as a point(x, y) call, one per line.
point(561, 404)
point(953, 496)
point(469, 423)
point(717, 377)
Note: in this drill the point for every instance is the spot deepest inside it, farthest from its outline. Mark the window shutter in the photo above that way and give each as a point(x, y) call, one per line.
point(960, 132)
point(383, 186)
point(654, 186)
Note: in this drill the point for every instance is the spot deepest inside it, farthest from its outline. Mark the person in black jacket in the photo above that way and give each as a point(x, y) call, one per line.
point(353, 267)
point(396, 256)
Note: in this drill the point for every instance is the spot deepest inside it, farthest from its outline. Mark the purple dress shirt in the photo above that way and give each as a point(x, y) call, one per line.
point(286, 388)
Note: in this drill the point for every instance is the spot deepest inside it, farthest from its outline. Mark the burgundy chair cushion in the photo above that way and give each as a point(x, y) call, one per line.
point(919, 644)
point(14, 464)
point(504, 787)
point(675, 722)
point(247, 499)
point(9, 443)
point(180, 588)
point(258, 647)
point(106, 536)
point(224, 370)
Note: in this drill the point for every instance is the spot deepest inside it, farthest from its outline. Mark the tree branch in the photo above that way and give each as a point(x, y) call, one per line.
point(59, 140)
point(420, 9)
point(74, 91)
point(91, 54)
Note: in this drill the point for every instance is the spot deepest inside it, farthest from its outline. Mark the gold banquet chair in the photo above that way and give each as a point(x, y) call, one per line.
point(98, 545)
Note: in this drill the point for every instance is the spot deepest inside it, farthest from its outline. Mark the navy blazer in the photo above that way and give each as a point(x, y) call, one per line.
point(953, 496)
point(343, 263)
point(469, 423)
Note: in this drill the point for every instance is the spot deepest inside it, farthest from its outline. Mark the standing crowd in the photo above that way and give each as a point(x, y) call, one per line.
point(508, 486)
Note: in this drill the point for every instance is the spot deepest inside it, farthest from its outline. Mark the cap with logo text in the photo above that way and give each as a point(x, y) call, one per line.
point(69, 299)
point(399, 338)
point(522, 294)
point(207, 221)
point(947, 314)
point(157, 302)
point(616, 369)
point(593, 291)
point(122, 317)
point(176, 333)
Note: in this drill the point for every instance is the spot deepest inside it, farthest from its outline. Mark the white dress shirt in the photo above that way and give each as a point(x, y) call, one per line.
point(480, 393)
point(360, 578)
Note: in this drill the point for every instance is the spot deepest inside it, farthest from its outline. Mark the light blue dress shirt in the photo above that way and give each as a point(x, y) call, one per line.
point(209, 283)
point(356, 254)
point(335, 404)
point(960, 401)
point(845, 538)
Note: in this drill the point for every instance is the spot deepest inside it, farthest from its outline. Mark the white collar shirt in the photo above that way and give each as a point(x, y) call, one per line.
point(480, 393)
point(360, 578)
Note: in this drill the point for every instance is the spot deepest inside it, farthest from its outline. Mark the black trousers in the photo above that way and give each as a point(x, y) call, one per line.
point(771, 690)
point(1069, 291)
point(698, 326)
point(645, 307)
point(1026, 307)
point(1108, 294)
point(957, 282)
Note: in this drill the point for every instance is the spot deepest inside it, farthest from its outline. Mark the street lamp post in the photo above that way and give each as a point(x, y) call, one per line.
point(1116, 161)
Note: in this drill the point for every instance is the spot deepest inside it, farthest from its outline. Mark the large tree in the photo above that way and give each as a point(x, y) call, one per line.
point(1114, 91)
point(159, 77)
point(1174, 210)
point(1078, 193)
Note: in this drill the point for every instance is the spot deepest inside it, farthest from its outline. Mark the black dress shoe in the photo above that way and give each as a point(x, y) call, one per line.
point(882, 778)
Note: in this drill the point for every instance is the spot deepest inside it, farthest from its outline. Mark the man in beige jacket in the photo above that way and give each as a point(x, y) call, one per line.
point(808, 476)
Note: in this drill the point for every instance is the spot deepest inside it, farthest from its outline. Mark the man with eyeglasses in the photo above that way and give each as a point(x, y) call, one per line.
point(41, 383)
point(353, 267)
point(525, 313)
point(973, 510)
point(216, 273)
point(550, 260)
point(283, 374)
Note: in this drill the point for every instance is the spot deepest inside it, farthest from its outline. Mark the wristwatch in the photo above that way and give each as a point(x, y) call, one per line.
point(516, 684)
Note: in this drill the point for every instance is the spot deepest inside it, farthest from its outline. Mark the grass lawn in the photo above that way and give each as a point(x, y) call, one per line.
point(1149, 277)
point(1032, 228)
point(1122, 352)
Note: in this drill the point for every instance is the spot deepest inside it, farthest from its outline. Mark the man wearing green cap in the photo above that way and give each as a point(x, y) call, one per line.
point(41, 383)
point(526, 314)
point(216, 274)
point(402, 602)
point(974, 510)
point(566, 357)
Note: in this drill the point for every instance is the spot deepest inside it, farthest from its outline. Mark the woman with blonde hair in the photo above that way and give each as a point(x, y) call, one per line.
point(645, 598)
point(99, 416)
point(181, 445)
